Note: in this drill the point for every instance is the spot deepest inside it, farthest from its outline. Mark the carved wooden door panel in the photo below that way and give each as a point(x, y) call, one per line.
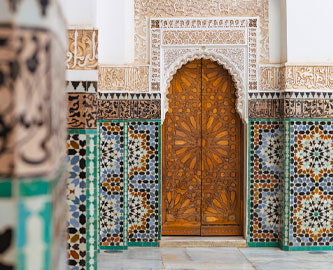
point(221, 153)
point(181, 213)
point(201, 154)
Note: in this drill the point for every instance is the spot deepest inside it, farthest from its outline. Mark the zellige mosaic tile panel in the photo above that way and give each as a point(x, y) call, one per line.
point(112, 185)
point(76, 198)
point(311, 183)
point(143, 181)
point(92, 200)
point(265, 176)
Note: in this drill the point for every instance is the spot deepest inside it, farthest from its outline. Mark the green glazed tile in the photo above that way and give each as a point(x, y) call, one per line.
point(76, 131)
point(5, 188)
point(113, 248)
point(34, 188)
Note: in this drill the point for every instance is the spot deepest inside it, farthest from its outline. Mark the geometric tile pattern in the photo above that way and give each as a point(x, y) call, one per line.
point(92, 199)
point(311, 183)
point(82, 198)
point(81, 86)
point(113, 188)
point(265, 177)
point(76, 198)
point(143, 181)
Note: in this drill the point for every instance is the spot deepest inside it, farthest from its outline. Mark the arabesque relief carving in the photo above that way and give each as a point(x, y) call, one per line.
point(174, 42)
point(146, 9)
point(265, 108)
point(235, 55)
point(211, 37)
point(299, 104)
point(309, 77)
point(82, 49)
point(308, 108)
point(127, 78)
point(300, 77)
point(271, 78)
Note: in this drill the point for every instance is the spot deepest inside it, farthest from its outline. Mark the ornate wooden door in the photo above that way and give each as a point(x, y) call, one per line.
point(202, 142)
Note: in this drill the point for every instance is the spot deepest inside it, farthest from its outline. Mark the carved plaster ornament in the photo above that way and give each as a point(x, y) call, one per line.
point(146, 9)
point(82, 49)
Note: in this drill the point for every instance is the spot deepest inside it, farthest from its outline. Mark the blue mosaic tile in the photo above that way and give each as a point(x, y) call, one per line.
point(143, 181)
point(76, 198)
point(311, 183)
point(112, 185)
point(266, 171)
point(92, 199)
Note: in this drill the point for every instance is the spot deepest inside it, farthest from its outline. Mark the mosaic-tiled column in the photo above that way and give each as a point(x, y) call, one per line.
point(82, 240)
point(129, 145)
point(82, 181)
point(32, 135)
point(303, 112)
point(265, 169)
point(308, 181)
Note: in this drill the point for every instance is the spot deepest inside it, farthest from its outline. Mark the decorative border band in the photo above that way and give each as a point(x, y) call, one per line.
point(295, 77)
point(127, 78)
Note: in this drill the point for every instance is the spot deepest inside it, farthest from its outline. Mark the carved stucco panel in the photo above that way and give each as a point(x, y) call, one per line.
point(82, 49)
point(309, 77)
point(300, 77)
point(146, 9)
point(271, 77)
point(177, 41)
point(236, 56)
point(211, 37)
point(126, 78)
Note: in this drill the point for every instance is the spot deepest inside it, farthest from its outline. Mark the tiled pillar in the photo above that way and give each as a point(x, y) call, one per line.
point(32, 135)
point(265, 169)
point(82, 230)
point(130, 165)
point(290, 174)
point(308, 171)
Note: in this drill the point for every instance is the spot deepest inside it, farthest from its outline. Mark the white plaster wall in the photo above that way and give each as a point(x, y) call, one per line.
point(309, 34)
point(115, 22)
point(283, 41)
point(80, 13)
point(275, 24)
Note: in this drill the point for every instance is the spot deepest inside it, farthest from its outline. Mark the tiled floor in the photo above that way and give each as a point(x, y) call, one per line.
point(215, 258)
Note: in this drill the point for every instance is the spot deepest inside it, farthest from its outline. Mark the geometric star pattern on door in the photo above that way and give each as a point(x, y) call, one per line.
point(202, 153)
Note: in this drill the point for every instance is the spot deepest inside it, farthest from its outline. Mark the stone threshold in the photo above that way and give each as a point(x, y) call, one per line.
point(197, 241)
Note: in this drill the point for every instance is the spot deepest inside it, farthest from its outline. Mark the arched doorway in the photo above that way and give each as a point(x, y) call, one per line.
point(202, 154)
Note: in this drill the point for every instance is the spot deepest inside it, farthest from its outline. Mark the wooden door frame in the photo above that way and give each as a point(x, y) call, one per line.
point(244, 161)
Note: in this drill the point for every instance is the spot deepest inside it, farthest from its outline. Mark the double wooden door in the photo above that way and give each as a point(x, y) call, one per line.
point(202, 157)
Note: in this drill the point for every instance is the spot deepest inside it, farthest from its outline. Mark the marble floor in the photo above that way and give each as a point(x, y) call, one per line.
point(215, 258)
